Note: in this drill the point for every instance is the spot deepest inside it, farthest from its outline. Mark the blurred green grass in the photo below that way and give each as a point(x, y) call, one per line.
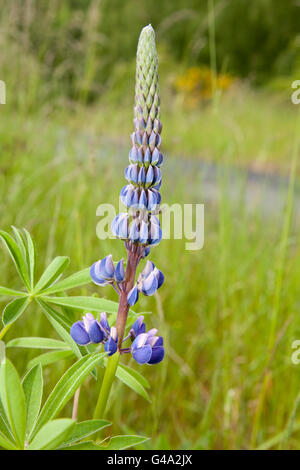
point(216, 304)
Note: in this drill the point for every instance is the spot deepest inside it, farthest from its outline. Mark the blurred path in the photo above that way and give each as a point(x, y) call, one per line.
point(202, 182)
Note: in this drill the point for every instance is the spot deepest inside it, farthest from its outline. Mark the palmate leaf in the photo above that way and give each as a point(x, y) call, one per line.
point(52, 434)
point(122, 442)
point(33, 391)
point(14, 309)
point(17, 256)
point(50, 357)
point(85, 429)
point(66, 387)
point(78, 279)
point(37, 343)
point(52, 272)
point(13, 401)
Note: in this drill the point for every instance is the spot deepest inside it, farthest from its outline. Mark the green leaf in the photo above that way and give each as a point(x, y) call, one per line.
point(37, 343)
point(13, 400)
point(14, 309)
point(5, 292)
point(33, 391)
point(85, 429)
point(62, 326)
point(62, 330)
point(66, 387)
point(31, 253)
point(61, 318)
point(123, 442)
point(4, 425)
point(16, 256)
point(132, 382)
point(6, 444)
point(2, 351)
point(21, 244)
point(87, 445)
point(52, 434)
point(139, 377)
point(52, 272)
point(50, 357)
point(85, 303)
point(75, 280)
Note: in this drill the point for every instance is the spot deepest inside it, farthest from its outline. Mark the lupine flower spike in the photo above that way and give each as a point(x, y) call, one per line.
point(138, 226)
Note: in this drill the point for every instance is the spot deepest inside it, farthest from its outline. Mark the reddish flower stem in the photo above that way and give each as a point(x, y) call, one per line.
point(132, 263)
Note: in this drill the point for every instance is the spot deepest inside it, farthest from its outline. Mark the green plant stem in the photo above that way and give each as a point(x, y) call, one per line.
point(112, 363)
point(108, 379)
point(5, 330)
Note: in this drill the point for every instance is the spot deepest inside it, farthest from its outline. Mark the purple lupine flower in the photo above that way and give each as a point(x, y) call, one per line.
point(139, 226)
point(104, 272)
point(158, 350)
point(141, 351)
point(120, 272)
point(133, 296)
point(87, 331)
point(148, 348)
point(143, 172)
point(111, 344)
point(104, 324)
point(149, 280)
point(137, 328)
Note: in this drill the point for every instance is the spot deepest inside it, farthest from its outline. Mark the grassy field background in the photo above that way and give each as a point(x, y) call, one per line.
point(230, 311)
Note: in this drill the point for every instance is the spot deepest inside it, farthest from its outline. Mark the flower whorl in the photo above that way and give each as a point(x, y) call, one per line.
point(141, 195)
point(139, 226)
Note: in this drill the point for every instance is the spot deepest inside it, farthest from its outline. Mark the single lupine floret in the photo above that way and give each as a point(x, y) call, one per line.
point(147, 348)
point(88, 330)
point(120, 226)
point(148, 282)
point(133, 296)
point(137, 328)
point(120, 271)
point(104, 324)
point(111, 345)
point(103, 272)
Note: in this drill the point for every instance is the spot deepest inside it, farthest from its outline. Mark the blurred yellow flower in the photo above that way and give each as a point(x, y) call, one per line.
point(197, 84)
